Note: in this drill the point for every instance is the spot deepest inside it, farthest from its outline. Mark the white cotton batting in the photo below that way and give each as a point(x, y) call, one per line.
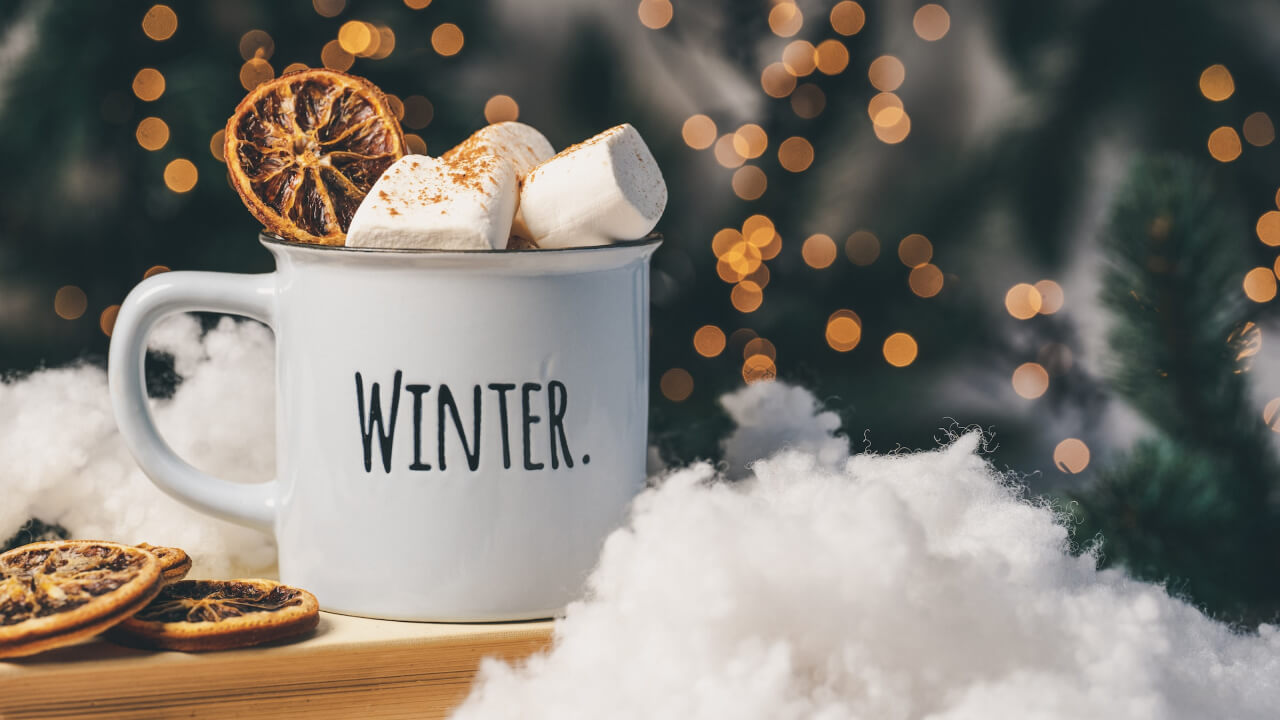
point(903, 586)
point(64, 460)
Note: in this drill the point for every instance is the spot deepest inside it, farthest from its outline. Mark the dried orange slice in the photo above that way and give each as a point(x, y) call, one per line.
point(56, 593)
point(304, 149)
point(196, 615)
point(175, 563)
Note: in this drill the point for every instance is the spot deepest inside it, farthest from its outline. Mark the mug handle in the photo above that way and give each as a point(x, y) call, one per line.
point(154, 298)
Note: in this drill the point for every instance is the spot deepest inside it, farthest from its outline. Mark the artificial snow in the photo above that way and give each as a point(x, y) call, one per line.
point(63, 460)
point(904, 586)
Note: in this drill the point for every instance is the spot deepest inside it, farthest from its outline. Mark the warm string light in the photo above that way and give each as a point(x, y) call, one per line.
point(1071, 456)
point(1023, 301)
point(847, 17)
point(785, 19)
point(1030, 380)
point(749, 182)
point(1224, 144)
point(795, 154)
point(800, 58)
point(447, 39)
point(148, 84)
point(757, 368)
point(1051, 296)
point(931, 22)
point(844, 330)
point(501, 108)
point(808, 101)
point(886, 73)
point(655, 14)
point(832, 57)
point(925, 280)
point(333, 57)
point(217, 145)
point(776, 81)
point(915, 250)
point(1258, 130)
point(818, 251)
point(107, 320)
point(862, 248)
point(1260, 284)
point(418, 112)
point(699, 132)
point(257, 44)
point(1216, 83)
point(759, 346)
point(750, 141)
point(70, 302)
point(180, 175)
point(900, 349)
point(676, 384)
point(333, 8)
point(709, 341)
point(160, 23)
point(152, 133)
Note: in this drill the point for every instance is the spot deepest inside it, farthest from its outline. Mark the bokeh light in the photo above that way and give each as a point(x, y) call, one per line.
point(844, 330)
point(900, 349)
point(750, 141)
point(416, 4)
point(725, 152)
point(758, 230)
point(217, 145)
point(759, 346)
point(1216, 83)
point(925, 280)
point(418, 112)
point(255, 72)
point(148, 84)
point(501, 108)
point(676, 384)
point(107, 320)
point(795, 154)
point(885, 109)
point(1259, 131)
point(757, 368)
point(155, 270)
point(257, 44)
point(1051, 296)
point(1271, 414)
point(808, 101)
point(1268, 228)
point(886, 73)
point(1030, 380)
point(333, 57)
point(862, 248)
point(294, 67)
point(931, 22)
point(777, 81)
point(447, 39)
point(709, 341)
point(415, 143)
point(160, 22)
point(1023, 301)
point(892, 134)
point(818, 251)
point(357, 37)
point(699, 132)
point(746, 296)
point(397, 106)
point(1071, 456)
point(800, 58)
point(333, 8)
point(655, 14)
point(832, 57)
point(915, 250)
point(848, 17)
point(749, 182)
point(785, 19)
point(1260, 284)
point(152, 133)
point(180, 175)
point(1224, 144)
point(70, 302)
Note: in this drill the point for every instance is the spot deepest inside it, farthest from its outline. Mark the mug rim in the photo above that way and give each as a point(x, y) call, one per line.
point(271, 239)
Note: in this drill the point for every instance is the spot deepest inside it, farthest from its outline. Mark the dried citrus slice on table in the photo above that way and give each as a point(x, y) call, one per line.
point(175, 563)
point(196, 615)
point(56, 593)
point(304, 149)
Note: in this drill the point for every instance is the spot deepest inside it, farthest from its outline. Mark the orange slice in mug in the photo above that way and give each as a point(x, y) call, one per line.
point(302, 151)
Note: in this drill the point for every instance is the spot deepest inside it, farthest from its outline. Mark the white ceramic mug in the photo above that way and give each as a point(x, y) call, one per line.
point(456, 431)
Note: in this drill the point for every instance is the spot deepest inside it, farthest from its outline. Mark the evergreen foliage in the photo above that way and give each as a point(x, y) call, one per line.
point(1192, 503)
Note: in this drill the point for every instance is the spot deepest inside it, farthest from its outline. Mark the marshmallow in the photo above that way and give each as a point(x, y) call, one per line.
point(466, 202)
point(525, 147)
point(604, 189)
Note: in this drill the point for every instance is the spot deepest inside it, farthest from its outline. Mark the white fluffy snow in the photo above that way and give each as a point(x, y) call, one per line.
point(65, 462)
point(905, 586)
